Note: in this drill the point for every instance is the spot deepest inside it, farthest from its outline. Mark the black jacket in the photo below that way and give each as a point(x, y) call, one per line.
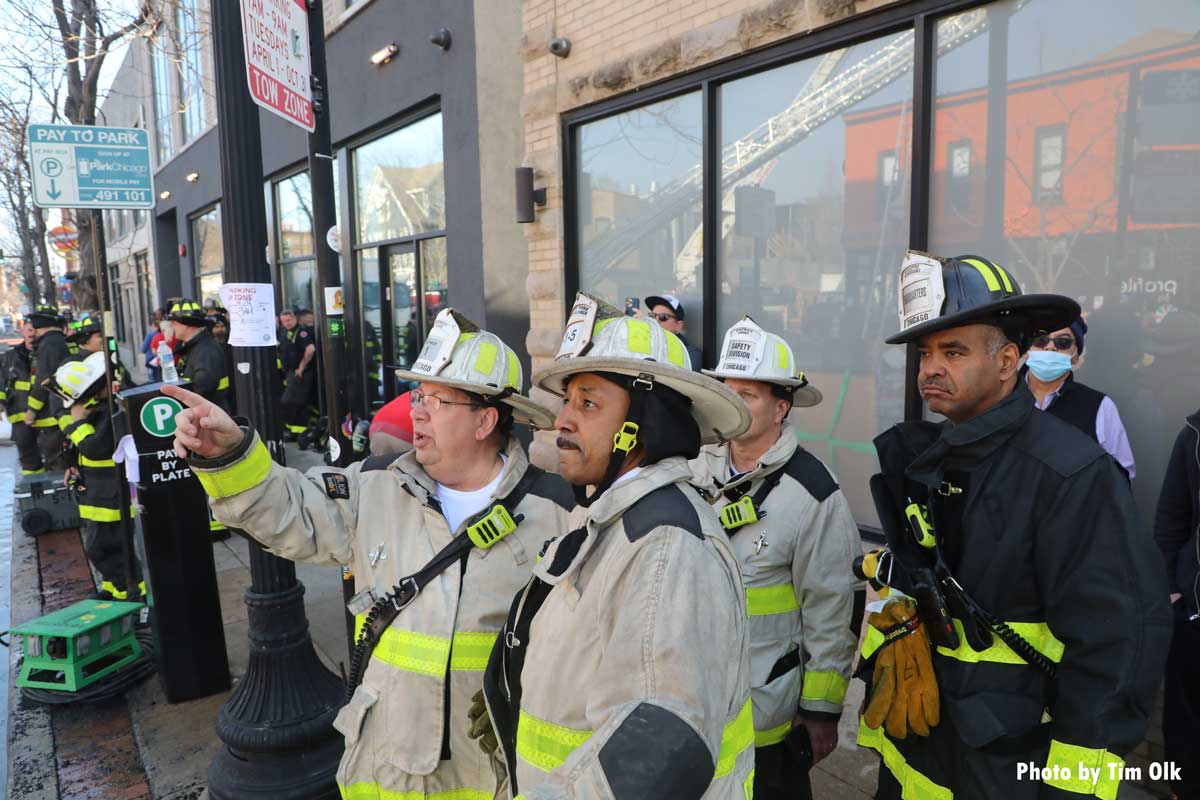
point(1177, 520)
point(1043, 531)
point(15, 379)
point(201, 360)
point(94, 445)
point(49, 352)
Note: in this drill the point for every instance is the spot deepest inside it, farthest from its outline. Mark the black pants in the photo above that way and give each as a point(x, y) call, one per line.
point(781, 770)
point(298, 397)
point(1181, 704)
point(104, 548)
point(26, 441)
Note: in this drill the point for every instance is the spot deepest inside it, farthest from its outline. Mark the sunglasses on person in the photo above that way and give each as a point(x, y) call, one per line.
point(1059, 342)
point(663, 316)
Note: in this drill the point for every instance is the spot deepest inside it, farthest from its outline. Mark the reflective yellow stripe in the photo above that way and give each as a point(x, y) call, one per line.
point(45, 422)
point(1004, 277)
point(245, 474)
point(471, 651)
point(638, 332)
point(413, 652)
point(913, 785)
point(99, 514)
point(111, 588)
point(84, 461)
point(485, 358)
point(80, 433)
point(65, 421)
point(1036, 633)
point(675, 351)
point(544, 744)
point(772, 735)
point(779, 599)
point(35, 404)
point(782, 361)
point(828, 687)
point(23, 386)
point(373, 791)
point(3, 395)
point(296, 428)
point(737, 736)
point(872, 641)
point(38, 471)
point(989, 276)
point(223, 383)
point(748, 786)
point(514, 371)
point(1072, 761)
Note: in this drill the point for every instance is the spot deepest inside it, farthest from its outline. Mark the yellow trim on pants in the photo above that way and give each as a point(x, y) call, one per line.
point(913, 785)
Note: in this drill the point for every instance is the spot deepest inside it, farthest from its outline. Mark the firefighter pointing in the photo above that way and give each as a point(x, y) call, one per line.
point(1040, 621)
point(623, 669)
point(440, 539)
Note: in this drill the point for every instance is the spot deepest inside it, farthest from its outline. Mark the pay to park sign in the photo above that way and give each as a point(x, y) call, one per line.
point(275, 34)
point(87, 166)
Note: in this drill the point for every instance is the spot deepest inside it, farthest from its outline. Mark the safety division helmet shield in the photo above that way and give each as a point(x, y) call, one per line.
point(189, 312)
point(458, 354)
point(937, 294)
point(602, 339)
point(750, 353)
point(77, 381)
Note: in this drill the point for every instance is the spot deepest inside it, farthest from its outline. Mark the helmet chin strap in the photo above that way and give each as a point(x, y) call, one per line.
point(624, 440)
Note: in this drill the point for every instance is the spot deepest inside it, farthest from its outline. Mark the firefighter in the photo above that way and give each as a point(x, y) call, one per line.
point(83, 386)
point(792, 531)
point(623, 670)
point(199, 357)
point(43, 407)
point(16, 377)
point(406, 724)
point(1020, 529)
point(297, 351)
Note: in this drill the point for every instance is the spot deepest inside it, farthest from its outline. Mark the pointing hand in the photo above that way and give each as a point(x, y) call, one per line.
point(202, 427)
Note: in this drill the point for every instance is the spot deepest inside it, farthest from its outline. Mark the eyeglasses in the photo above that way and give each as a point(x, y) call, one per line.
point(662, 316)
point(1059, 342)
point(431, 402)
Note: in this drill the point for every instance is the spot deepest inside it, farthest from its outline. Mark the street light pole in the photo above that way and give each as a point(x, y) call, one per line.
point(276, 727)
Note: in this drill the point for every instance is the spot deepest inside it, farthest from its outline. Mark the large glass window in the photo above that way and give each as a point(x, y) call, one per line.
point(398, 182)
point(1085, 181)
point(209, 254)
point(191, 83)
point(640, 178)
point(163, 109)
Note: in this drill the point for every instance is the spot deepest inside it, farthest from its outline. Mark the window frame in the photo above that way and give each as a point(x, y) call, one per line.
point(197, 275)
point(1049, 197)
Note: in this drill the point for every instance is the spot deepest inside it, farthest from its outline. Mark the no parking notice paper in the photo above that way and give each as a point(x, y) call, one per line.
point(251, 309)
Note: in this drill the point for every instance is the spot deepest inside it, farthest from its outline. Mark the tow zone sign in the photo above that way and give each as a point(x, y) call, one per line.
point(275, 34)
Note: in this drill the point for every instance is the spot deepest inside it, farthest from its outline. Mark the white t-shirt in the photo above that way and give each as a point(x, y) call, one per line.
point(457, 506)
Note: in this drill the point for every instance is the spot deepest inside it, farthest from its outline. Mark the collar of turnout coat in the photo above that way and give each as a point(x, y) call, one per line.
point(711, 472)
point(423, 487)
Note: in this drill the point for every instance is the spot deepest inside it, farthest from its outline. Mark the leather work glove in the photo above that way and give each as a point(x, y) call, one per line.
point(904, 692)
point(483, 730)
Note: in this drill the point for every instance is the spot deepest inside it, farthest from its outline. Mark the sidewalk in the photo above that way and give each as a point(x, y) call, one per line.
point(142, 748)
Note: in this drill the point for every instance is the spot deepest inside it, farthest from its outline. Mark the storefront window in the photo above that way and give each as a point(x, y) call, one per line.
point(640, 180)
point(1085, 181)
point(398, 181)
point(372, 323)
point(209, 255)
point(814, 221)
point(294, 216)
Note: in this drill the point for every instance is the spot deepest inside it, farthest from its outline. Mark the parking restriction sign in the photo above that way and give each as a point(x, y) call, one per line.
point(275, 35)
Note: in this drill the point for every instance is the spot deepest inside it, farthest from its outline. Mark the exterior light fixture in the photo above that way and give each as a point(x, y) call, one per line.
point(560, 46)
point(385, 54)
point(441, 38)
point(164, 194)
point(527, 196)
point(192, 177)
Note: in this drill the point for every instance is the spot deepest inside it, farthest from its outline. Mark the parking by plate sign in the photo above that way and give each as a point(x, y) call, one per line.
point(86, 166)
point(275, 34)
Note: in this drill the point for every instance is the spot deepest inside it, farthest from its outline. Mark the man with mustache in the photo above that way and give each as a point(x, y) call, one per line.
point(467, 478)
point(623, 669)
point(792, 531)
point(1027, 532)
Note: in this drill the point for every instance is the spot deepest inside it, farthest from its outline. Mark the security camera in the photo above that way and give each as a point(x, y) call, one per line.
point(560, 46)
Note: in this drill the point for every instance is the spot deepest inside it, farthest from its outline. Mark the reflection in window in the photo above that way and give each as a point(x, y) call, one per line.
point(1102, 98)
point(403, 268)
point(297, 277)
point(162, 70)
point(958, 181)
point(434, 279)
point(814, 221)
point(371, 299)
point(398, 182)
point(191, 84)
point(640, 178)
point(209, 257)
point(294, 216)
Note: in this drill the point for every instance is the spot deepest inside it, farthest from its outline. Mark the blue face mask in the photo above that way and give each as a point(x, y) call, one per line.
point(1048, 365)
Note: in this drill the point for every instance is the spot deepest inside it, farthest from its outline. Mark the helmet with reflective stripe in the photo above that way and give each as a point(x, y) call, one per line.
point(750, 353)
point(600, 338)
point(76, 381)
point(458, 354)
point(189, 312)
point(937, 294)
point(82, 329)
point(47, 316)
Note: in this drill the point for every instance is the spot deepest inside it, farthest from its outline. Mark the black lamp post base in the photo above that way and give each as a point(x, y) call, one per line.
point(298, 775)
